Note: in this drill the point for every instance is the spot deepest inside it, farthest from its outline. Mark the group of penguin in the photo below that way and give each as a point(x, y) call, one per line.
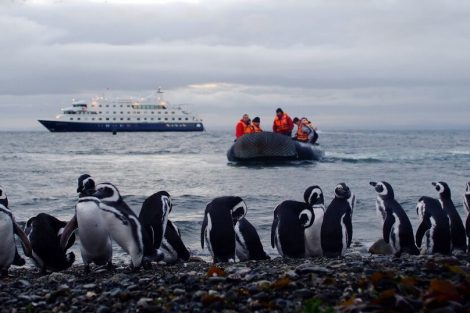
point(299, 229)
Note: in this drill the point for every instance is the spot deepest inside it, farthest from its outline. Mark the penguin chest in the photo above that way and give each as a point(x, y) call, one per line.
point(92, 231)
point(344, 233)
point(7, 244)
point(313, 235)
point(381, 210)
point(207, 235)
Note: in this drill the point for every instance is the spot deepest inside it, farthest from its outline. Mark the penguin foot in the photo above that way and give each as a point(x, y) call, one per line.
point(146, 264)
point(18, 260)
point(86, 269)
point(110, 266)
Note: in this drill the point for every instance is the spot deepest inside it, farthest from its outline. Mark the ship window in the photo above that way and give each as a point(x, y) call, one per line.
point(128, 106)
point(186, 119)
point(107, 118)
point(172, 118)
point(166, 118)
point(122, 119)
point(107, 105)
point(172, 112)
point(78, 118)
point(114, 119)
point(92, 118)
point(179, 118)
point(114, 105)
point(151, 119)
point(122, 112)
point(128, 118)
point(166, 112)
point(100, 118)
point(121, 105)
point(138, 118)
point(71, 118)
point(99, 105)
point(114, 112)
point(153, 112)
point(159, 119)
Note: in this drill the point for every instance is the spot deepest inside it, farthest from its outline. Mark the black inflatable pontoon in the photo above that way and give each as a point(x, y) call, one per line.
point(267, 147)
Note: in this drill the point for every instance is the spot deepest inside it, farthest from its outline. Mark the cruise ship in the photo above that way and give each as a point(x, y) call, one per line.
point(152, 114)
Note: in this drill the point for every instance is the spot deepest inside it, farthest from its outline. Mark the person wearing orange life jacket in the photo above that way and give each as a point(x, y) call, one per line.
point(305, 131)
point(249, 129)
point(241, 126)
point(282, 123)
point(255, 125)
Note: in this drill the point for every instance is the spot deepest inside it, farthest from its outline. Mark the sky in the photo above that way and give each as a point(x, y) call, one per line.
point(364, 64)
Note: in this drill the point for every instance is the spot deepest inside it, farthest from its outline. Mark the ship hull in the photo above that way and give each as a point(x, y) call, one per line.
point(59, 126)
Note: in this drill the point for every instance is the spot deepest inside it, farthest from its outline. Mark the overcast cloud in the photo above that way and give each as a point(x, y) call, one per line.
point(345, 64)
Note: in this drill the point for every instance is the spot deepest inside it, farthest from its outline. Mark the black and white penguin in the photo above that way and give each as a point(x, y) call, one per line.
point(457, 230)
point(466, 204)
point(95, 241)
point(153, 217)
point(218, 231)
point(248, 245)
point(122, 223)
point(8, 229)
point(18, 260)
point(313, 196)
point(86, 186)
point(336, 230)
point(172, 246)
point(288, 228)
point(44, 233)
point(434, 227)
point(396, 228)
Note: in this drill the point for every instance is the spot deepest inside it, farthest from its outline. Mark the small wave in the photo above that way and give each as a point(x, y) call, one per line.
point(351, 158)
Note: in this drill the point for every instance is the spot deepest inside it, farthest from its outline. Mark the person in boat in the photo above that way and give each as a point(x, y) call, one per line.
point(242, 125)
point(255, 124)
point(282, 124)
point(249, 129)
point(305, 131)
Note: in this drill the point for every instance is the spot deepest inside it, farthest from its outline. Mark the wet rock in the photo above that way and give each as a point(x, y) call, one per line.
point(380, 247)
point(308, 268)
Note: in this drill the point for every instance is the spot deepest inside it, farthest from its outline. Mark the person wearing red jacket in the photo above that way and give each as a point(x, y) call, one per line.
point(282, 123)
point(241, 126)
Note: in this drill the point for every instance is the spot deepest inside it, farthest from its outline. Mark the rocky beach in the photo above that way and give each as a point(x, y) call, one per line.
point(355, 283)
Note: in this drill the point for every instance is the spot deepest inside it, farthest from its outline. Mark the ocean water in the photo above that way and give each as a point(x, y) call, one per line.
point(39, 172)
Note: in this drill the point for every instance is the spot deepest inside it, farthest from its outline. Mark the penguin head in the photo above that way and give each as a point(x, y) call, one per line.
point(314, 195)
point(3, 197)
point(238, 209)
point(86, 185)
point(306, 217)
point(167, 205)
point(384, 189)
point(467, 190)
point(342, 191)
point(107, 192)
point(443, 189)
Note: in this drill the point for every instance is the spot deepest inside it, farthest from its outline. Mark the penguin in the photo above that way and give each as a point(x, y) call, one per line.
point(287, 231)
point(122, 223)
point(434, 227)
point(8, 228)
point(154, 216)
point(396, 228)
point(247, 242)
point(457, 230)
point(313, 196)
point(466, 204)
point(95, 240)
point(336, 229)
point(18, 260)
point(218, 230)
point(86, 185)
point(44, 233)
point(172, 246)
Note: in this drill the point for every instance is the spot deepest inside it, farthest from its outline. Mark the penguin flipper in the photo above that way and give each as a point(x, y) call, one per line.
point(203, 230)
point(422, 229)
point(387, 227)
point(273, 230)
point(28, 250)
point(68, 231)
point(348, 222)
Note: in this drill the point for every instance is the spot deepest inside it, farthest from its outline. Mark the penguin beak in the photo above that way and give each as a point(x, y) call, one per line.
point(373, 183)
point(434, 184)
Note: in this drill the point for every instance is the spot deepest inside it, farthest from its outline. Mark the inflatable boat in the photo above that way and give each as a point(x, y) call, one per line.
point(272, 147)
